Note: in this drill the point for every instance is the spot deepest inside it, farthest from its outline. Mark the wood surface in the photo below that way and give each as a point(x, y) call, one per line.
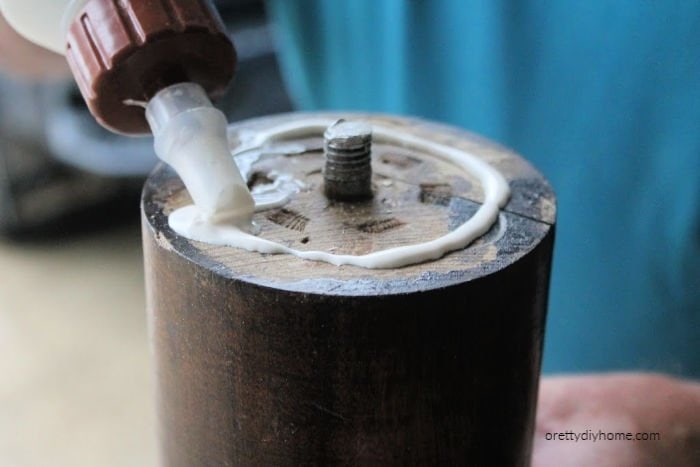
point(274, 360)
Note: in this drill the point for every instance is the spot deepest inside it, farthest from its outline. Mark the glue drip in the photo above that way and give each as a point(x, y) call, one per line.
point(196, 224)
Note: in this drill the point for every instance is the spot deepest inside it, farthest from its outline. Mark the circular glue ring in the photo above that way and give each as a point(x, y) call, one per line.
point(266, 357)
point(122, 52)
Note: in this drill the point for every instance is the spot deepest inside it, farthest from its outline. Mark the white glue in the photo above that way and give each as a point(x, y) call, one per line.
point(197, 223)
point(190, 135)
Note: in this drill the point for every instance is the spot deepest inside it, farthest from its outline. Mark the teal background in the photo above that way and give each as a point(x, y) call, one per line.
point(602, 96)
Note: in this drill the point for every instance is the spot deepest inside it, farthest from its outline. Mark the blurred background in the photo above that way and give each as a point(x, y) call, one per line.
point(75, 380)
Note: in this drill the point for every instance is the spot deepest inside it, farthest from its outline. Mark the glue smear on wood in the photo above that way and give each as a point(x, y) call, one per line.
point(189, 222)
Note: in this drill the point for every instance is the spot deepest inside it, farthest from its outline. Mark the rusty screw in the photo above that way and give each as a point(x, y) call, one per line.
point(347, 174)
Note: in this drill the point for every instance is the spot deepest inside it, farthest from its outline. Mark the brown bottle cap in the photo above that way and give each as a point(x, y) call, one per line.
point(127, 50)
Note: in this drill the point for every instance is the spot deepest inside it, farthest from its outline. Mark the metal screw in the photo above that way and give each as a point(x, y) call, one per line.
point(347, 174)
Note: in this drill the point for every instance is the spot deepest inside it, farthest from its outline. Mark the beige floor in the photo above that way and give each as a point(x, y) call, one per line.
point(75, 387)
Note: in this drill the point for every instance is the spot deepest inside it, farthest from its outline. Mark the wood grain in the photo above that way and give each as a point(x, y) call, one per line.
point(273, 360)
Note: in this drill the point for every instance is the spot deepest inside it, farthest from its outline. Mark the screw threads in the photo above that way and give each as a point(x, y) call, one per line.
point(347, 174)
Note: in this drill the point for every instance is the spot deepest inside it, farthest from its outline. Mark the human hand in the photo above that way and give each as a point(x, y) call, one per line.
point(618, 403)
point(20, 57)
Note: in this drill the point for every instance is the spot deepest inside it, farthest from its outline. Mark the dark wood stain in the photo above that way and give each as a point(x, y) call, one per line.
point(380, 225)
point(289, 219)
point(320, 370)
point(435, 193)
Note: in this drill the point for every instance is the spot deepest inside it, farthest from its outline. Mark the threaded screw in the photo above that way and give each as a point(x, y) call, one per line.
point(347, 174)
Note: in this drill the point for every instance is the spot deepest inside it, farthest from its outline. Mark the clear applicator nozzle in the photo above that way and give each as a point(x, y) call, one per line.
point(190, 135)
